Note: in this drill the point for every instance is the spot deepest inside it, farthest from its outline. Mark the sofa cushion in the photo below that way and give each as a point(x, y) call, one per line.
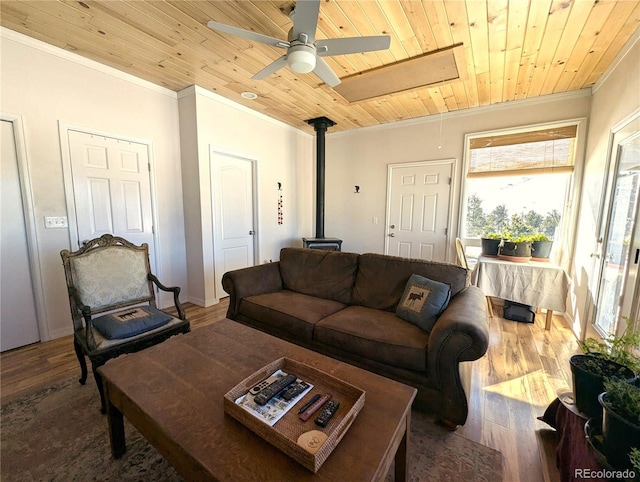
point(295, 313)
point(320, 273)
point(381, 279)
point(422, 301)
point(377, 335)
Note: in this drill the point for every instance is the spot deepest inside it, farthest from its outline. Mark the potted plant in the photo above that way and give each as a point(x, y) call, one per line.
point(519, 247)
point(620, 422)
point(490, 244)
point(634, 457)
point(612, 357)
point(541, 247)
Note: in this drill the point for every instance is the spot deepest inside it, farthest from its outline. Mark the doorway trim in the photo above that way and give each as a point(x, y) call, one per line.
point(256, 203)
point(29, 222)
point(67, 174)
point(604, 217)
point(452, 200)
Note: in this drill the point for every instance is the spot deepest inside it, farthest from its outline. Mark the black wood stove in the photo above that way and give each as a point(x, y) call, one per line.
point(321, 124)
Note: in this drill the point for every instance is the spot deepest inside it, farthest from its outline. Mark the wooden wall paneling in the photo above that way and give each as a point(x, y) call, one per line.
point(570, 35)
point(459, 94)
point(273, 10)
point(479, 35)
point(510, 49)
point(621, 12)
point(497, 16)
point(464, 60)
point(381, 26)
point(599, 13)
point(556, 21)
point(336, 25)
point(113, 45)
point(536, 22)
point(437, 17)
point(616, 45)
point(397, 17)
point(430, 106)
point(420, 24)
point(516, 23)
point(190, 31)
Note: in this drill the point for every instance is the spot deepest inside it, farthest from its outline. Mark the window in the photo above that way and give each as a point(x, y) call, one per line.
point(518, 182)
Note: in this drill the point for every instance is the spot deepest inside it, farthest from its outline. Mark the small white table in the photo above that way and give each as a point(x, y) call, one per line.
point(540, 284)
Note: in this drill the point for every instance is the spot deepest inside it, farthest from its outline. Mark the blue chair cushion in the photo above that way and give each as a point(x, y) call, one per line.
point(130, 322)
point(422, 301)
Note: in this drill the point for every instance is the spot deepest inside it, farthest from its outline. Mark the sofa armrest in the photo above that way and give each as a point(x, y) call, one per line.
point(460, 334)
point(255, 280)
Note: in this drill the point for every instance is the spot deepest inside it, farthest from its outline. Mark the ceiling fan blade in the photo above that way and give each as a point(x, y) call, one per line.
point(305, 19)
point(248, 34)
point(325, 73)
point(271, 68)
point(352, 45)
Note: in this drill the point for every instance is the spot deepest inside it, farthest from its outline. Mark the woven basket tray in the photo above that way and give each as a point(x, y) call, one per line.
point(285, 433)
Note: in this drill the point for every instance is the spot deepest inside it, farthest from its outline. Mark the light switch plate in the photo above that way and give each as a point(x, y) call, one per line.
point(52, 222)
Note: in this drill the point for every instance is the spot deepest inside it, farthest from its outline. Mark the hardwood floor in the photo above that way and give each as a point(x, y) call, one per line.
point(512, 384)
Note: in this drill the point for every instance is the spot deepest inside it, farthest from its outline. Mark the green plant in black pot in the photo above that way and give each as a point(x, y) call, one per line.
point(541, 246)
point(612, 357)
point(634, 457)
point(620, 349)
point(620, 421)
point(490, 243)
point(516, 246)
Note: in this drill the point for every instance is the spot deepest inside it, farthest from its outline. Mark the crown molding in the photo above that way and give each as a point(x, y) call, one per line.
point(7, 34)
point(619, 58)
point(543, 99)
point(196, 89)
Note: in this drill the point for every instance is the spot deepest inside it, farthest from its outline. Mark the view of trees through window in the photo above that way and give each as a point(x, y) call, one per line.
point(515, 205)
point(499, 220)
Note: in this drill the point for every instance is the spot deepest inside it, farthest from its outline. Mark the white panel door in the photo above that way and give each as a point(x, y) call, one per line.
point(234, 232)
point(112, 190)
point(18, 320)
point(418, 206)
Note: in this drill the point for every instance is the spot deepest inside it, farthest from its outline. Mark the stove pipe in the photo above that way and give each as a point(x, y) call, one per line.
point(320, 124)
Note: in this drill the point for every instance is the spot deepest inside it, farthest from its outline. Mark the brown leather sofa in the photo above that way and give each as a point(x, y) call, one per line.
point(343, 305)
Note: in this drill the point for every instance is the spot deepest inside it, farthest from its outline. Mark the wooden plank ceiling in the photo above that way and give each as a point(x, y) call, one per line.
point(510, 49)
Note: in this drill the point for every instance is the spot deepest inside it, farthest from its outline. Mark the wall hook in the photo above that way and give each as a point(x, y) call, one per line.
point(357, 191)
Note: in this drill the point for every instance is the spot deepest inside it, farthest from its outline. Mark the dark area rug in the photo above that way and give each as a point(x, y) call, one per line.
point(58, 434)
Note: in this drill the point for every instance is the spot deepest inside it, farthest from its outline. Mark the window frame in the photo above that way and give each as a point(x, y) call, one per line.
point(572, 200)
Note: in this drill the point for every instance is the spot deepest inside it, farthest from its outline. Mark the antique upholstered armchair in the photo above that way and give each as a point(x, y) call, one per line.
point(113, 303)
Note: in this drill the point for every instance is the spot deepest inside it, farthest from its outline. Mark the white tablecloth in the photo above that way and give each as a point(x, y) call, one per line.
point(538, 284)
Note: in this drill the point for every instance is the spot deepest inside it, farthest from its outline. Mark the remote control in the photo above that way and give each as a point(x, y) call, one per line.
point(263, 384)
point(327, 412)
point(306, 415)
point(272, 390)
point(294, 390)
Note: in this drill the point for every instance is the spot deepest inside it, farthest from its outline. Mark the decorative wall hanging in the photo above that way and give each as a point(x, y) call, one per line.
point(280, 214)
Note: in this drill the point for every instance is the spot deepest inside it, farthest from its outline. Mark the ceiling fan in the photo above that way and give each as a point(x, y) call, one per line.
point(304, 52)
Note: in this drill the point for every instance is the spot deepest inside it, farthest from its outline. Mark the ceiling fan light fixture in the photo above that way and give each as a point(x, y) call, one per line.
point(301, 59)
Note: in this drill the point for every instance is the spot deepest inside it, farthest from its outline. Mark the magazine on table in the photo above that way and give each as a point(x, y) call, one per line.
point(275, 408)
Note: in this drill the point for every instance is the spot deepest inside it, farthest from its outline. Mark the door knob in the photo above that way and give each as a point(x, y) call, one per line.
point(252, 232)
point(392, 235)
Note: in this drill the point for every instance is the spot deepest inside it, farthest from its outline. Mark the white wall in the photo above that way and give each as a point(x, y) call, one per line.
point(282, 154)
point(615, 97)
point(46, 85)
point(361, 156)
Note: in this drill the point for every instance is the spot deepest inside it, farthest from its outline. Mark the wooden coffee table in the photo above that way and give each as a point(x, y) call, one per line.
point(173, 394)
